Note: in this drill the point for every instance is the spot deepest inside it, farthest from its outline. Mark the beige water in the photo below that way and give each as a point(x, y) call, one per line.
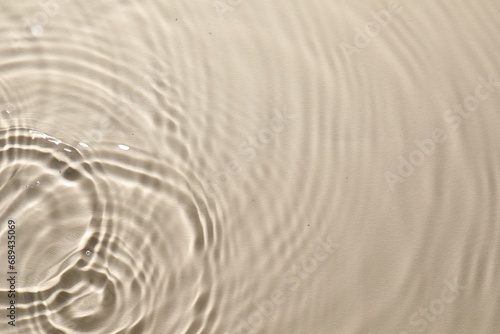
point(236, 166)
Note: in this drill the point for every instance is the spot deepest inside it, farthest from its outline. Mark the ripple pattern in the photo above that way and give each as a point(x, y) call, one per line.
point(195, 167)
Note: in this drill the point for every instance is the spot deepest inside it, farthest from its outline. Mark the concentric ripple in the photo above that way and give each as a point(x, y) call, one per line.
point(171, 165)
point(95, 263)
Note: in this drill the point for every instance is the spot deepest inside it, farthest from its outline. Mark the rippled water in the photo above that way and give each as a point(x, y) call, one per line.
point(236, 167)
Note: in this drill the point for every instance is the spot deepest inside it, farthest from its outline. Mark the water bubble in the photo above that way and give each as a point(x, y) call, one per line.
point(9, 108)
point(87, 253)
point(36, 30)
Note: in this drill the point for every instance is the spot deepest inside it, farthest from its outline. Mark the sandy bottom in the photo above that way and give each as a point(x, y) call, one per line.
point(237, 167)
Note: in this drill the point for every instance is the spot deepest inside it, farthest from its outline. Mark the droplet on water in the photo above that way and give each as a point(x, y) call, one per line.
point(123, 147)
point(36, 30)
